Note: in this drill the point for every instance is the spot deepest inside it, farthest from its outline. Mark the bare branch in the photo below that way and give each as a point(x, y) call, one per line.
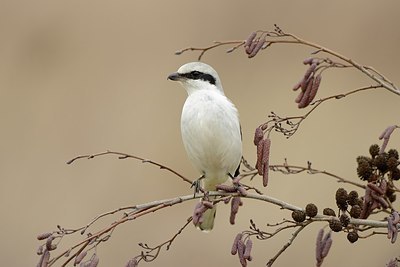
point(125, 156)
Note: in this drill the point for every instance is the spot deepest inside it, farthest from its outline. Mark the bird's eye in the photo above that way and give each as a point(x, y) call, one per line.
point(195, 74)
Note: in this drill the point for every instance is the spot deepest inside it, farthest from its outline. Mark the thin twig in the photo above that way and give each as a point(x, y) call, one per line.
point(292, 238)
point(125, 156)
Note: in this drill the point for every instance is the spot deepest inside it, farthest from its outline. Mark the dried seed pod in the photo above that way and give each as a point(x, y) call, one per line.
point(341, 198)
point(387, 132)
point(392, 163)
point(250, 39)
point(390, 226)
point(376, 188)
point(352, 198)
point(298, 216)
point(393, 153)
point(94, 261)
point(329, 212)
point(207, 204)
point(242, 191)
point(364, 170)
point(258, 47)
point(241, 249)
point(326, 237)
point(251, 46)
point(326, 248)
point(304, 83)
point(344, 219)
point(80, 257)
point(385, 135)
point(394, 237)
point(297, 85)
point(396, 217)
point(382, 202)
point(265, 160)
point(305, 99)
point(248, 247)
point(235, 243)
point(46, 258)
point(310, 70)
point(196, 215)
point(374, 150)
point(226, 188)
point(49, 245)
point(235, 203)
point(308, 61)
point(352, 237)
point(260, 152)
point(355, 211)
point(299, 97)
point(383, 186)
point(392, 263)
point(258, 136)
point(335, 225)
point(43, 236)
point(132, 263)
point(39, 251)
point(318, 247)
point(311, 210)
point(314, 88)
point(384, 145)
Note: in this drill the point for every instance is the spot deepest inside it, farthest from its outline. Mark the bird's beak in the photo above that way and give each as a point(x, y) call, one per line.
point(174, 76)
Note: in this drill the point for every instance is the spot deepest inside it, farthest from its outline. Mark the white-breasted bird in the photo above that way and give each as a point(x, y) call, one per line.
point(210, 129)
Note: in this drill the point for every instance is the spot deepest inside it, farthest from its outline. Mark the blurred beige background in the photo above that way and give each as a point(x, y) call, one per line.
point(81, 77)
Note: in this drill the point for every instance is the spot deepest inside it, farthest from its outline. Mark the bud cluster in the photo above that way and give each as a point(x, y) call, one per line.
point(380, 169)
point(380, 163)
point(342, 220)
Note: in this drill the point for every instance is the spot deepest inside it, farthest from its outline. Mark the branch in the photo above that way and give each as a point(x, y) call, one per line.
point(125, 156)
point(278, 36)
point(293, 169)
point(291, 239)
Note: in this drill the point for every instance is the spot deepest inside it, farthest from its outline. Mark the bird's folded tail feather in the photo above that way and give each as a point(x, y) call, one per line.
point(208, 217)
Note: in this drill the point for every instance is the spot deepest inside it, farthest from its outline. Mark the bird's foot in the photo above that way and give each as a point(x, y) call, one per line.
point(196, 185)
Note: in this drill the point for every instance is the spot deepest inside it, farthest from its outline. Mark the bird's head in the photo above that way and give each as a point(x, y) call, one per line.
point(196, 76)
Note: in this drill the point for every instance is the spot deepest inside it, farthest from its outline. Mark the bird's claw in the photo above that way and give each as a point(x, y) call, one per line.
point(197, 185)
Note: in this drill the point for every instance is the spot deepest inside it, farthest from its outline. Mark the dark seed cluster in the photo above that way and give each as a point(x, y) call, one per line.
point(343, 201)
point(379, 163)
point(310, 210)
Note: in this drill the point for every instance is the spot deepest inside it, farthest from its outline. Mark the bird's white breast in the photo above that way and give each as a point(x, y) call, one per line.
point(211, 134)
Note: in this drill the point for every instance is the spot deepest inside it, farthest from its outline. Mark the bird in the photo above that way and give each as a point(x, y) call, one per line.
point(210, 129)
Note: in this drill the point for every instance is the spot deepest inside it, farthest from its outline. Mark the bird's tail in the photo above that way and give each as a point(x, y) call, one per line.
point(207, 223)
point(208, 217)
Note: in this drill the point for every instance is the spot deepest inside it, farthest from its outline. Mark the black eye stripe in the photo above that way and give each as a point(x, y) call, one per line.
point(197, 75)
